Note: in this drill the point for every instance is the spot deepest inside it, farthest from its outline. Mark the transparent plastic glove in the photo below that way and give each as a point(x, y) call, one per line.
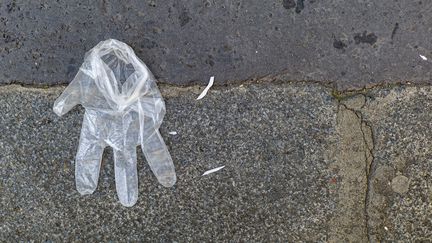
point(123, 108)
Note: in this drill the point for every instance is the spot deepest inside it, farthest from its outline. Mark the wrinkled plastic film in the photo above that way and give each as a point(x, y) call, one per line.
point(124, 108)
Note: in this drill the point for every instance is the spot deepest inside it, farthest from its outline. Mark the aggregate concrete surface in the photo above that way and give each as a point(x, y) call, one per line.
point(400, 195)
point(349, 43)
point(303, 163)
point(277, 184)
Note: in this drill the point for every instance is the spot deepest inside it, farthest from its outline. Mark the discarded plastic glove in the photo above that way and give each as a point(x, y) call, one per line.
point(124, 108)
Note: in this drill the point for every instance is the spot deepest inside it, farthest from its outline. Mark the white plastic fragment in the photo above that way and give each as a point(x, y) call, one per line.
point(206, 88)
point(123, 109)
point(423, 57)
point(172, 133)
point(213, 170)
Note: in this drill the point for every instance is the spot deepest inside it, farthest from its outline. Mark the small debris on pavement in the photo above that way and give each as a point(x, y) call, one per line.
point(206, 88)
point(172, 133)
point(423, 57)
point(213, 170)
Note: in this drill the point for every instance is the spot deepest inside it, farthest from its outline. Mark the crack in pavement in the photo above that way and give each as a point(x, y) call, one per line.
point(356, 146)
point(365, 127)
point(370, 167)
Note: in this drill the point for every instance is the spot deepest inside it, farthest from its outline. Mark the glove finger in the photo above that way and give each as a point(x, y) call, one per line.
point(87, 165)
point(159, 159)
point(126, 176)
point(71, 96)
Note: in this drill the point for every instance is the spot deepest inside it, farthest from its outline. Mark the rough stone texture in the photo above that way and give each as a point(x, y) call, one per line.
point(351, 43)
point(400, 195)
point(301, 165)
point(279, 183)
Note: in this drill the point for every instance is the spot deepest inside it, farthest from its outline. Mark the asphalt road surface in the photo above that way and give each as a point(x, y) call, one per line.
point(351, 44)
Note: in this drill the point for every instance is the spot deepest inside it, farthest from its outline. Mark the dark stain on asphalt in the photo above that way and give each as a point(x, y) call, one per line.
point(338, 44)
point(300, 6)
point(184, 18)
point(395, 29)
point(288, 4)
point(370, 38)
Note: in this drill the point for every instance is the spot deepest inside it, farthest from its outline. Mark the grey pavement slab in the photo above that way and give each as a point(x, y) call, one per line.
point(279, 183)
point(349, 43)
point(303, 163)
point(400, 193)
